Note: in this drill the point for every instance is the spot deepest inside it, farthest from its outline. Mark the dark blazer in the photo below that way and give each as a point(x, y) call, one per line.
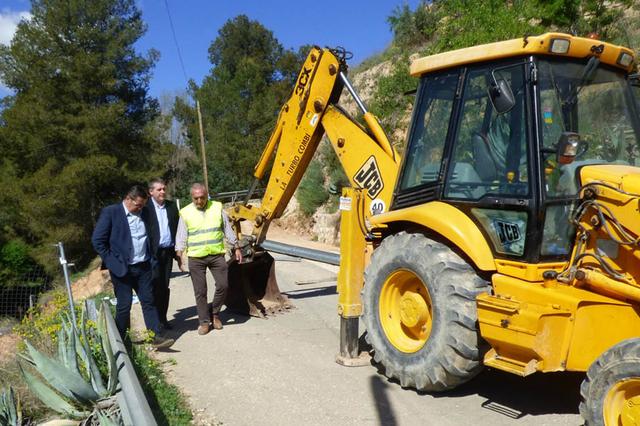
point(112, 239)
point(172, 216)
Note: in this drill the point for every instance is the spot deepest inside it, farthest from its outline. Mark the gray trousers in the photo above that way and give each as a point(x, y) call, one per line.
point(198, 269)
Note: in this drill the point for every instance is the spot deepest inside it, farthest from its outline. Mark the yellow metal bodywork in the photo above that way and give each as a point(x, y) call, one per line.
point(449, 222)
point(549, 326)
point(535, 45)
point(352, 246)
point(368, 165)
point(527, 271)
point(615, 206)
point(294, 140)
point(366, 154)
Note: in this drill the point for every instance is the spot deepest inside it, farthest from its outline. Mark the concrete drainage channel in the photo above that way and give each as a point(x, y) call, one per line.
point(133, 404)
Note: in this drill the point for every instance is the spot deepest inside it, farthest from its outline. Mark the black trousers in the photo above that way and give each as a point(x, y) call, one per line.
point(161, 276)
point(138, 279)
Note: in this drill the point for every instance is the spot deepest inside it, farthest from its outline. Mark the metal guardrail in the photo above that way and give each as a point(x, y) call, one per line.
point(233, 196)
point(131, 399)
point(303, 252)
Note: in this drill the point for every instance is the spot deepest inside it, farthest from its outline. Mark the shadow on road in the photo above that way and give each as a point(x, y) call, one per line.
point(514, 396)
point(186, 319)
point(510, 395)
point(386, 416)
point(304, 293)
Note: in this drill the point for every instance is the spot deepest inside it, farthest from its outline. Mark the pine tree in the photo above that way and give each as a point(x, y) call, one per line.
point(76, 129)
point(251, 77)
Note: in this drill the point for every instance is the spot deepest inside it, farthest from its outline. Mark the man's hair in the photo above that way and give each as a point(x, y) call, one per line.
point(198, 185)
point(137, 191)
point(154, 181)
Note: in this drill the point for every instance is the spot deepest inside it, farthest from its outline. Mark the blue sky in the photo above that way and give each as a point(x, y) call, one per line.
point(358, 25)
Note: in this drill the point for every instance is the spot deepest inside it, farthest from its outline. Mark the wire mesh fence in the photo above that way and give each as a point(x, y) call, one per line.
point(19, 294)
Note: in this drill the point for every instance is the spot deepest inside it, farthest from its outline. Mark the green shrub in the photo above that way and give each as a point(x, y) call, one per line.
point(15, 262)
point(311, 193)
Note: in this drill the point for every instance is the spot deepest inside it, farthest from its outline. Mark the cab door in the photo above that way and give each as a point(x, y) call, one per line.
point(488, 169)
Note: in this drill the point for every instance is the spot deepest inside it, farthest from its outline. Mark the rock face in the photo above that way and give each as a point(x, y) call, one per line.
point(326, 227)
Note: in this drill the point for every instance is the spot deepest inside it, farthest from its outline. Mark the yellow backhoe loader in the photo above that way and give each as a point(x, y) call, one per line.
point(507, 234)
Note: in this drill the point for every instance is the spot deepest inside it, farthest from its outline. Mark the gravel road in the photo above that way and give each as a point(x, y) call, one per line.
point(281, 371)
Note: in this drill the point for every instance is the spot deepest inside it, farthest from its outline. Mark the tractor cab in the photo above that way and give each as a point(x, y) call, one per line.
point(501, 131)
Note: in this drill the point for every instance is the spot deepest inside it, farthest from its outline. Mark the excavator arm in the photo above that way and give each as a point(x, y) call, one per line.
point(367, 157)
point(369, 161)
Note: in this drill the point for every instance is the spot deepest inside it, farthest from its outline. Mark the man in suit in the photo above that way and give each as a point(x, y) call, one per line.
point(163, 218)
point(121, 240)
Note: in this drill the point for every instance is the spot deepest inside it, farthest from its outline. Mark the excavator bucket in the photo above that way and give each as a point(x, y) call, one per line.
point(253, 289)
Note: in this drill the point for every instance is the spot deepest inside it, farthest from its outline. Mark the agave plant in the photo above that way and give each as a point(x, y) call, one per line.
point(72, 384)
point(10, 412)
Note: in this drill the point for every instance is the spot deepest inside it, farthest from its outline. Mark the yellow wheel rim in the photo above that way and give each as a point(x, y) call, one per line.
point(622, 403)
point(405, 311)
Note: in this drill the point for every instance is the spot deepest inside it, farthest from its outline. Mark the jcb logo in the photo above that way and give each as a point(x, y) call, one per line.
point(302, 81)
point(507, 232)
point(369, 178)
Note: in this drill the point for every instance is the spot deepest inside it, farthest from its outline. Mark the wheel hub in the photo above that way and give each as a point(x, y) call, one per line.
point(405, 311)
point(622, 403)
point(413, 309)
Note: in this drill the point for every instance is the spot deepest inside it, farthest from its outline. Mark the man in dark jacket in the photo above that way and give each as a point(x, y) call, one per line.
point(163, 218)
point(121, 240)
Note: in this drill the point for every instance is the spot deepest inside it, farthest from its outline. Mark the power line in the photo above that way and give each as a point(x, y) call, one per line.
point(175, 40)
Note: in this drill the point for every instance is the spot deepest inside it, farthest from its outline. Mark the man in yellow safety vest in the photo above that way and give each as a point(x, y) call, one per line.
point(200, 237)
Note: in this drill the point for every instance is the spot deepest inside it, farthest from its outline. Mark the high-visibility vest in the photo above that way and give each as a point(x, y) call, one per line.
point(204, 229)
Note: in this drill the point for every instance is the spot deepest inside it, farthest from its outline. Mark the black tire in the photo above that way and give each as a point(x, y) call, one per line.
point(451, 354)
point(613, 368)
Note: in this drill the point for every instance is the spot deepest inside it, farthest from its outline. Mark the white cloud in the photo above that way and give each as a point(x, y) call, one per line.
point(9, 23)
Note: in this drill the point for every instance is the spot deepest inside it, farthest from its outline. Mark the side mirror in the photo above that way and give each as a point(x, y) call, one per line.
point(501, 96)
point(567, 149)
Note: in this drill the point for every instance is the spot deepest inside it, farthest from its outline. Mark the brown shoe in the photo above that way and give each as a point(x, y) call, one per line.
point(203, 329)
point(217, 324)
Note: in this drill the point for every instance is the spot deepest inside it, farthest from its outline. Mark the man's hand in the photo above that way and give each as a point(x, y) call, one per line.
point(238, 255)
point(182, 261)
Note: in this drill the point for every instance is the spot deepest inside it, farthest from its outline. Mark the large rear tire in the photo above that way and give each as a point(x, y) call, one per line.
point(610, 394)
point(420, 313)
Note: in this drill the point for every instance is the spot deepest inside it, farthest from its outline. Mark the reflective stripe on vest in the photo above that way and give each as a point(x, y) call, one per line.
point(204, 229)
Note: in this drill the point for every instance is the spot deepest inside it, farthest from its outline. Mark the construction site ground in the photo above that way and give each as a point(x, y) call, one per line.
point(282, 370)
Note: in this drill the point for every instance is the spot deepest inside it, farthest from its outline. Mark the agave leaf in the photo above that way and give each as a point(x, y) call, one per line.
point(49, 397)
point(105, 419)
point(62, 351)
point(69, 350)
point(18, 409)
point(26, 358)
point(65, 381)
point(108, 352)
point(10, 413)
point(92, 367)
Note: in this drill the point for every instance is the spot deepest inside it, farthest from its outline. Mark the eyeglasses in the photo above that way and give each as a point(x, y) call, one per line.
point(137, 203)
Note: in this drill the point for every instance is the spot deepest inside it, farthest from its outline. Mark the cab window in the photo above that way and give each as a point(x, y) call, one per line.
point(426, 146)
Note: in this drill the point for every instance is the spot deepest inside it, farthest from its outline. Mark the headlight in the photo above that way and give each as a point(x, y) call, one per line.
point(624, 59)
point(559, 45)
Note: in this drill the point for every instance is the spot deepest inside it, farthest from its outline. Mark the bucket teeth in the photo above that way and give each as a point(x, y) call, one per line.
point(253, 288)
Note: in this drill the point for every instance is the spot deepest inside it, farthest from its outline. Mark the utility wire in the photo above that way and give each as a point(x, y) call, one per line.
point(175, 40)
